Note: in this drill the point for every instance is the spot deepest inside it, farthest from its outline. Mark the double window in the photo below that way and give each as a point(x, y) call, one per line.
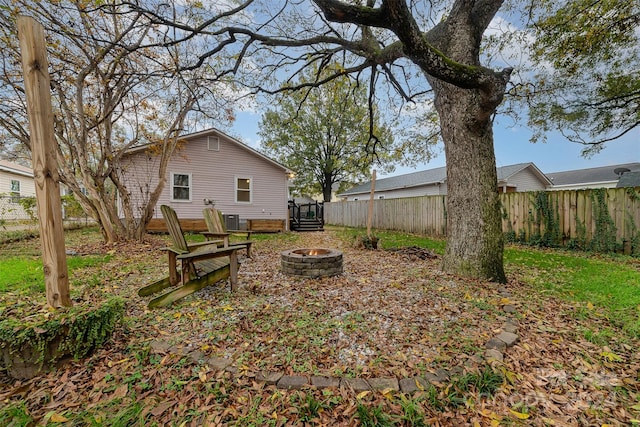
point(180, 187)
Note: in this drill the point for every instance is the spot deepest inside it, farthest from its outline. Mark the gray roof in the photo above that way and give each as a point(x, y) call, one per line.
point(15, 168)
point(430, 176)
point(590, 175)
point(506, 172)
point(629, 179)
point(414, 179)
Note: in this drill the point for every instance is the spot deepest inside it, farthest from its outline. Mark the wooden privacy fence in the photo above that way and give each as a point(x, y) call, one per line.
point(423, 215)
point(563, 216)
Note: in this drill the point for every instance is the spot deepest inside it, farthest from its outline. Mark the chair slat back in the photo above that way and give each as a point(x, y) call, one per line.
point(175, 230)
point(213, 219)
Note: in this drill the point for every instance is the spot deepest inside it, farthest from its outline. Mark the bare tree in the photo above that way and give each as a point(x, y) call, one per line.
point(116, 84)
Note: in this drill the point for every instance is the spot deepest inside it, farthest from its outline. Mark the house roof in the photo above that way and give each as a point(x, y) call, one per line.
point(629, 179)
point(16, 168)
point(414, 179)
point(506, 172)
point(435, 176)
point(601, 174)
point(219, 133)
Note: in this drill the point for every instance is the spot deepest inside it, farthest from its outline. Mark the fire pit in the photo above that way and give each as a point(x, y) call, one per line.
point(312, 263)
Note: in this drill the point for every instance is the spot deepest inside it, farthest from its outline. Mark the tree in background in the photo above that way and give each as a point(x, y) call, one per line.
point(322, 133)
point(116, 84)
point(590, 89)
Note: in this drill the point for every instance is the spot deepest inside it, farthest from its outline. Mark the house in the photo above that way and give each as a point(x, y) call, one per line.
point(16, 182)
point(210, 168)
point(431, 182)
point(600, 177)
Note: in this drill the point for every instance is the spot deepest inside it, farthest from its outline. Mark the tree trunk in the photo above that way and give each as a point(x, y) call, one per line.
point(474, 228)
point(327, 183)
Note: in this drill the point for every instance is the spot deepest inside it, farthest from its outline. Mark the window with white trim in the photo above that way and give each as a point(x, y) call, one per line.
point(243, 190)
point(15, 191)
point(180, 187)
point(213, 143)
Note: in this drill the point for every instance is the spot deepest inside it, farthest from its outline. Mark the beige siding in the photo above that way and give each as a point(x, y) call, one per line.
point(423, 190)
point(213, 175)
point(27, 185)
point(526, 180)
point(9, 210)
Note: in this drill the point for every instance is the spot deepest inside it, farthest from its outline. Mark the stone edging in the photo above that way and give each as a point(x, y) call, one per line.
point(497, 345)
point(494, 351)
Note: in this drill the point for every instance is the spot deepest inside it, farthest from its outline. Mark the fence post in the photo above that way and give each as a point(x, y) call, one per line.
point(44, 155)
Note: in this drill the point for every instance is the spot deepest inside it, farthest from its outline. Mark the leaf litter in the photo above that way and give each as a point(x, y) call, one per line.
point(389, 315)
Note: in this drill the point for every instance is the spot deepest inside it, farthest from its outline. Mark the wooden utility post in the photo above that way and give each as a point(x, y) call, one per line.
point(370, 214)
point(44, 154)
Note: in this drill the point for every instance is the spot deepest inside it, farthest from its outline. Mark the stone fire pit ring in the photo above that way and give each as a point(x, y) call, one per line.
point(312, 262)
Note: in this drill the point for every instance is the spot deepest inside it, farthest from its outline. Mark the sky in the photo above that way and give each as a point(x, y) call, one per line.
point(512, 146)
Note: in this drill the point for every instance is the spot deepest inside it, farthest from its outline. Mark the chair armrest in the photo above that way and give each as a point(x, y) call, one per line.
point(212, 253)
point(241, 233)
point(214, 235)
point(205, 243)
point(174, 250)
point(193, 245)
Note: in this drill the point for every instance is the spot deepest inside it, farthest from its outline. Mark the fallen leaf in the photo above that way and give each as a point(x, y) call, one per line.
point(120, 391)
point(161, 408)
point(519, 415)
point(610, 356)
point(57, 418)
point(362, 394)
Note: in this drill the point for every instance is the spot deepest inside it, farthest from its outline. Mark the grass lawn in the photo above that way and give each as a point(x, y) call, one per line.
point(388, 316)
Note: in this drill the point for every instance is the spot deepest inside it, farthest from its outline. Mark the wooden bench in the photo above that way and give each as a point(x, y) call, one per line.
point(266, 225)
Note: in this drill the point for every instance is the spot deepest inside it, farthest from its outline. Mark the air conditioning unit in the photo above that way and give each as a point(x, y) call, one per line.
point(232, 222)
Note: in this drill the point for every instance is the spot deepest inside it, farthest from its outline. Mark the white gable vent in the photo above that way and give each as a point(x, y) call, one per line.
point(213, 143)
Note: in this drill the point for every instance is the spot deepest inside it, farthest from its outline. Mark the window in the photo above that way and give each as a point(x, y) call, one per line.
point(181, 187)
point(15, 191)
point(213, 143)
point(243, 190)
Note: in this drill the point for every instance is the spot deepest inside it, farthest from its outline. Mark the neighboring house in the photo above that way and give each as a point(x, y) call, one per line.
point(600, 177)
point(431, 182)
point(211, 168)
point(16, 182)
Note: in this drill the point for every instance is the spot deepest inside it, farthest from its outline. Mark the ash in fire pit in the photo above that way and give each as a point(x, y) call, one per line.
point(312, 263)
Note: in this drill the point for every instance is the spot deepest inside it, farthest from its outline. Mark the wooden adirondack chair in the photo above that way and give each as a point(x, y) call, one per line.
point(217, 229)
point(201, 263)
